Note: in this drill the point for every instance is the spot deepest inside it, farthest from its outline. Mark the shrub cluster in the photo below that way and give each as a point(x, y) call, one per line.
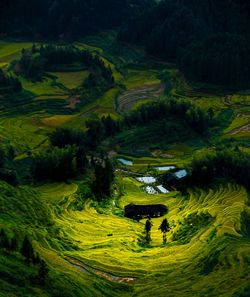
point(224, 163)
point(9, 83)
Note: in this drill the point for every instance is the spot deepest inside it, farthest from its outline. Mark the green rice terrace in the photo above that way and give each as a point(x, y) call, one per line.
point(90, 128)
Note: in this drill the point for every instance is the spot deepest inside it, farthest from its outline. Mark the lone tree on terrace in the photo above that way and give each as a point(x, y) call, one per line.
point(164, 227)
point(148, 226)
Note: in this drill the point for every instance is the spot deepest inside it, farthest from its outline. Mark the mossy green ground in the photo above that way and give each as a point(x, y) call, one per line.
point(214, 261)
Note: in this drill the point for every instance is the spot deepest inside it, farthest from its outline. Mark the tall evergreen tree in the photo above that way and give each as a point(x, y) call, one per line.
point(164, 227)
point(43, 272)
point(104, 176)
point(4, 240)
point(27, 249)
point(148, 227)
point(14, 243)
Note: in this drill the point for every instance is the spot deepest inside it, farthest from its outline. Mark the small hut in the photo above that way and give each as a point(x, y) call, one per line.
point(144, 211)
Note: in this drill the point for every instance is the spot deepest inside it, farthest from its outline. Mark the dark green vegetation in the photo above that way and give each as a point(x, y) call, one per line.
point(63, 19)
point(9, 83)
point(148, 227)
point(209, 39)
point(191, 225)
point(8, 171)
point(80, 122)
point(59, 164)
point(225, 163)
point(220, 59)
point(164, 227)
point(34, 64)
point(199, 120)
point(69, 192)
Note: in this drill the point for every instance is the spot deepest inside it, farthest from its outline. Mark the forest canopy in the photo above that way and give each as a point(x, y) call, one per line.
point(208, 39)
point(64, 19)
point(195, 34)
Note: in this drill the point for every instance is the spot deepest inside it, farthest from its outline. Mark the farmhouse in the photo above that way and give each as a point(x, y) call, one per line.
point(144, 211)
point(176, 180)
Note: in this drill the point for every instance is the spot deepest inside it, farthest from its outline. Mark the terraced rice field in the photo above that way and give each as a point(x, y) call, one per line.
point(14, 131)
point(71, 79)
point(148, 92)
point(11, 50)
point(108, 243)
point(181, 88)
point(27, 117)
point(240, 126)
point(95, 250)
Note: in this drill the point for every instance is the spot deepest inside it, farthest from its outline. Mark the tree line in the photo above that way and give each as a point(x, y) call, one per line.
point(221, 59)
point(192, 33)
point(35, 62)
point(230, 163)
point(9, 83)
point(26, 249)
point(59, 164)
point(98, 129)
point(8, 172)
point(208, 39)
point(71, 155)
point(72, 151)
point(63, 19)
point(198, 119)
point(67, 157)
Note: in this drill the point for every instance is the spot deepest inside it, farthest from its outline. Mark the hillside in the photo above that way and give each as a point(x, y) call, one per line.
point(208, 39)
point(64, 20)
point(91, 125)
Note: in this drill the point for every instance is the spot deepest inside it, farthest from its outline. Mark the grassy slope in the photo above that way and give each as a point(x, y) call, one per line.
point(175, 270)
point(216, 260)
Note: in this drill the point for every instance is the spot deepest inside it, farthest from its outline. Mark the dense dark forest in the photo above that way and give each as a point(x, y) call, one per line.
point(63, 19)
point(209, 39)
point(229, 163)
point(220, 59)
point(198, 119)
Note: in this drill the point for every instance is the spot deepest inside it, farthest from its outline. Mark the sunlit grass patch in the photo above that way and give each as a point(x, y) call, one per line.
point(12, 50)
point(57, 120)
point(137, 78)
point(23, 133)
point(240, 99)
point(239, 121)
point(44, 87)
point(56, 192)
point(212, 102)
point(71, 79)
point(103, 106)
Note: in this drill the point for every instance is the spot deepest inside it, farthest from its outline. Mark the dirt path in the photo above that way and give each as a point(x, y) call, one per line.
point(90, 270)
point(242, 129)
point(73, 101)
point(128, 172)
